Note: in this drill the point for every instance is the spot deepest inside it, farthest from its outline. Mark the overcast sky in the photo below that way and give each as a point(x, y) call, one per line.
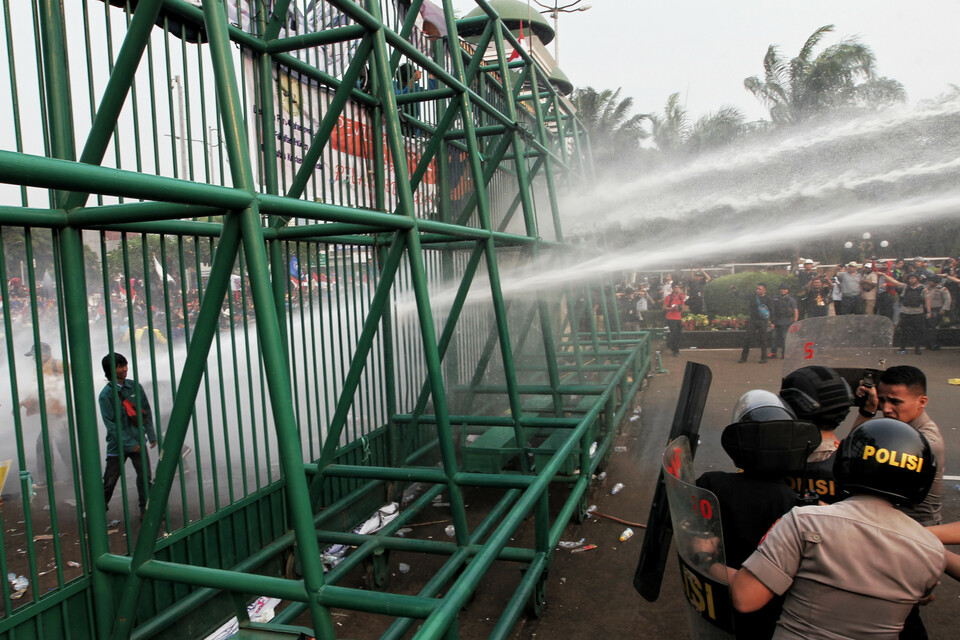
point(705, 48)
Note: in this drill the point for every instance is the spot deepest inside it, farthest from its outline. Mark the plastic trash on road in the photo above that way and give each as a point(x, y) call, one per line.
point(571, 544)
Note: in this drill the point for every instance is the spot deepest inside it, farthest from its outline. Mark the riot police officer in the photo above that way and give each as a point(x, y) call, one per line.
point(768, 444)
point(855, 568)
point(819, 395)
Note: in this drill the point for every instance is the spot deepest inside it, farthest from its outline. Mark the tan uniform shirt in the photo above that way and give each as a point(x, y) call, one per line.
point(873, 279)
point(853, 569)
point(928, 512)
point(826, 449)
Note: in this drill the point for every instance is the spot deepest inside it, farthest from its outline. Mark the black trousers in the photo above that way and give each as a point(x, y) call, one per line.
point(112, 474)
point(851, 305)
point(780, 338)
point(756, 335)
point(931, 325)
point(912, 327)
point(673, 338)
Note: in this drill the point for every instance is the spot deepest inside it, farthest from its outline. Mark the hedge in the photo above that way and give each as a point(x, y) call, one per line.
point(721, 301)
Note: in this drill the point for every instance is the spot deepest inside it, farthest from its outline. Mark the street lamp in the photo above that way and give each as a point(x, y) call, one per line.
point(866, 247)
point(555, 10)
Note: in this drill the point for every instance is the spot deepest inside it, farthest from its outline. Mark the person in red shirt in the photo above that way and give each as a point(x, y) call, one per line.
point(673, 304)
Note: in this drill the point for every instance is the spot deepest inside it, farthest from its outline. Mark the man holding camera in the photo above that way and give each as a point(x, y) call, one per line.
point(901, 394)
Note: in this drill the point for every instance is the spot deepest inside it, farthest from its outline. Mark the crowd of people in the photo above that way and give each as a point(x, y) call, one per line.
point(915, 295)
point(918, 297)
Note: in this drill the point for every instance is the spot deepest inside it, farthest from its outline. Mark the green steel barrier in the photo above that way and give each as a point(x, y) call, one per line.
point(300, 246)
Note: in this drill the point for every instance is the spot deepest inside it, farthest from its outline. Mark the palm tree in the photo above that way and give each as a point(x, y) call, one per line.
point(614, 134)
point(670, 130)
point(673, 133)
point(841, 76)
point(716, 129)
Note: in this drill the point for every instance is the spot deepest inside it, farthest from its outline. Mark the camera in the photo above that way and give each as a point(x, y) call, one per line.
point(867, 380)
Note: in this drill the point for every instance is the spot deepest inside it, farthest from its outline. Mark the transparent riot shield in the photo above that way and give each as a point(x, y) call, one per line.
point(839, 342)
point(695, 513)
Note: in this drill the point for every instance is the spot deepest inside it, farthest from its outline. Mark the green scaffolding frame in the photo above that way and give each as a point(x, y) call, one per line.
point(432, 203)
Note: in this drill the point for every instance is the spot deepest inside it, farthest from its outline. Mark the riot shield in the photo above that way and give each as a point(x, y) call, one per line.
point(656, 540)
point(839, 342)
point(695, 513)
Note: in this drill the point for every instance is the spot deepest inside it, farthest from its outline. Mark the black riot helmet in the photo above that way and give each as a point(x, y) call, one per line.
point(817, 394)
point(887, 458)
point(766, 438)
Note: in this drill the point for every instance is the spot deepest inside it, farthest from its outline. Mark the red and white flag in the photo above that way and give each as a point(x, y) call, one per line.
point(516, 52)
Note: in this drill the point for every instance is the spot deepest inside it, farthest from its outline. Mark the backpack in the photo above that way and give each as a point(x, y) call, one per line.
point(763, 310)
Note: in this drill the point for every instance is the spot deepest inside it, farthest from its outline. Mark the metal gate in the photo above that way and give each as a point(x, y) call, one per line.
point(294, 218)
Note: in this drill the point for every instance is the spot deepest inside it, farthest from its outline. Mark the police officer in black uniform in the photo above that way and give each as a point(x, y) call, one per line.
point(768, 444)
point(819, 395)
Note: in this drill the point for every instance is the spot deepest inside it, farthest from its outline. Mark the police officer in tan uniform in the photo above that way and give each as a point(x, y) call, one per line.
point(901, 393)
point(853, 569)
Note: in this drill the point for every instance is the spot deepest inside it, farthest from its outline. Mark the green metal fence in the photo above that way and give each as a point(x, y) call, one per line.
point(294, 219)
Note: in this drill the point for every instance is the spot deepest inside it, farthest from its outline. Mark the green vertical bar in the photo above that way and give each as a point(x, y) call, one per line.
point(268, 323)
point(88, 431)
point(544, 140)
point(405, 206)
point(493, 268)
point(530, 226)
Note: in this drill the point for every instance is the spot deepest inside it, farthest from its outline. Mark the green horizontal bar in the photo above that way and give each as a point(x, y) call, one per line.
point(308, 231)
point(523, 97)
point(494, 480)
point(316, 39)
point(425, 95)
point(443, 231)
point(170, 227)
point(517, 64)
point(279, 205)
point(492, 421)
point(223, 579)
point(419, 545)
point(140, 212)
point(33, 217)
point(193, 15)
point(408, 474)
point(51, 173)
point(390, 604)
point(477, 22)
point(415, 545)
point(538, 389)
point(486, 131)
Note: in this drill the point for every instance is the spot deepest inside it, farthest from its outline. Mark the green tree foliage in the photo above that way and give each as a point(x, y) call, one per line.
point(673, 133)
point(842, 76)
point(614, 133)
point(670, 129)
